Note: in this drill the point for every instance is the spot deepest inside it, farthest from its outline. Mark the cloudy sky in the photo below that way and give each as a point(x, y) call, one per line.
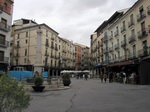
point(75, 20)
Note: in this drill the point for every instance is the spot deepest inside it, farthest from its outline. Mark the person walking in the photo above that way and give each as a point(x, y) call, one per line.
point(105, 77)
point(101, 77)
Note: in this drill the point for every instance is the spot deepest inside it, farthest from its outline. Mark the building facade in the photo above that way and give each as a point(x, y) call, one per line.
point(125, 42)
point(6, 10)
point(56, 53)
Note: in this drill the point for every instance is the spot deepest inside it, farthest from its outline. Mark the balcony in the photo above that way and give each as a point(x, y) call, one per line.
point(4, 27)
point(105, 38)
point(110, 49)
point(144, 52)
point(17, 55)
point(123, 29)
point(110, 37)
point(52, 47)
point(47, 44)
point(4, 59)
point(46, 54)
point(123, 43)
point(116, 46)
point(148, 10)
point(116, 33)
point(17, 46)
point(105, 50)
point(101, 44)
point(141, 16)
point(4, 44)
point(132, 38)
point(131, 23)
point(132, 55)
point(143, 33)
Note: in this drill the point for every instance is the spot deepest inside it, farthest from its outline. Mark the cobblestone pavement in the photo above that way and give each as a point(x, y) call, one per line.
point(93, 96)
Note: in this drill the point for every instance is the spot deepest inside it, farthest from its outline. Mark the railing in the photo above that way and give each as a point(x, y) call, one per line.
point(141, 16)
point(132, 38)
point(4, 44)
point(110, 49)
point(105, 38)
point(116, 46)
point(123, 43)
point(123, 28)
point(17, 55)
point(47, 44)
point(116, 33)
point(17, 46)
point(144, 52)
point(132, 55)
point(110, 37)
point(142, 33)
point(4, 27)
point(52, 47)
point(46, 54)
point(131, 23)
point(105, 50)
point(148, 10)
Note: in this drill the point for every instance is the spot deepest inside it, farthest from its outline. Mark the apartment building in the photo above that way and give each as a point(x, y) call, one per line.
point(24, 34)
point(68, 54)
point(126, 41)
point(6, 10)
point(81, 57)
point(56, 53)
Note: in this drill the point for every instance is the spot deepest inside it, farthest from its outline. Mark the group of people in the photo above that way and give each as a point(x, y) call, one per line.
point(121, 77)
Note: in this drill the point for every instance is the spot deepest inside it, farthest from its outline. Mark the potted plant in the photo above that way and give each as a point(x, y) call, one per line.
point(38, 84)
point(66, 79)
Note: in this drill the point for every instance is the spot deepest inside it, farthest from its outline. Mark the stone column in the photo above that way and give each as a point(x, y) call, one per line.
point(38, 62)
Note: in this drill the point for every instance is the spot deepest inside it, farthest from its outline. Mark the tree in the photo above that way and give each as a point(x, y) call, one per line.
point(13, 97)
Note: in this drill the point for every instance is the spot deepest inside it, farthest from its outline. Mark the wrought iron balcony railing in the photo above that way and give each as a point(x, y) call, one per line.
point(132, 38)
point(142, 33)
point(141, 16)
point(131, 23)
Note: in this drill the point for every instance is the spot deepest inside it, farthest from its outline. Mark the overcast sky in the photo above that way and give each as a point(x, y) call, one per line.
point(75, 20)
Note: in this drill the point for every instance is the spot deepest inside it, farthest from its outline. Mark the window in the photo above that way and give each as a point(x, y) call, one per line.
point(26, 34)
point(26, 41)
point(5, 6)
point(18, 36)
point(143, 26)
point(3, 23)
point(25, 52)
point(17, 43)
point(131, 17)
point(47, 33)
point(2, 39)
point(1, 55)
point(25, 60)
point(134, 49)
point(132, 32)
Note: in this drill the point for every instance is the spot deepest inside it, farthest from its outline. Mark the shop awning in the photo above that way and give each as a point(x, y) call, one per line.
point(121, 63)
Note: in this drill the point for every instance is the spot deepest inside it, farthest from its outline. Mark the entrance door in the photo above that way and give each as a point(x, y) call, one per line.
point(145, 73)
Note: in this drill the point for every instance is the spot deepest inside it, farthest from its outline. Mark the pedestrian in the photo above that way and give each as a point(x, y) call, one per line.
point(85, 76)
point(110, 77)
point(105, 77)
point(101, 77)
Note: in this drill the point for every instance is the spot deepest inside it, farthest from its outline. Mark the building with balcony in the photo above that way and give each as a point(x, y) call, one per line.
point(6, 7)
point(128, 43)
point(57, 53)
